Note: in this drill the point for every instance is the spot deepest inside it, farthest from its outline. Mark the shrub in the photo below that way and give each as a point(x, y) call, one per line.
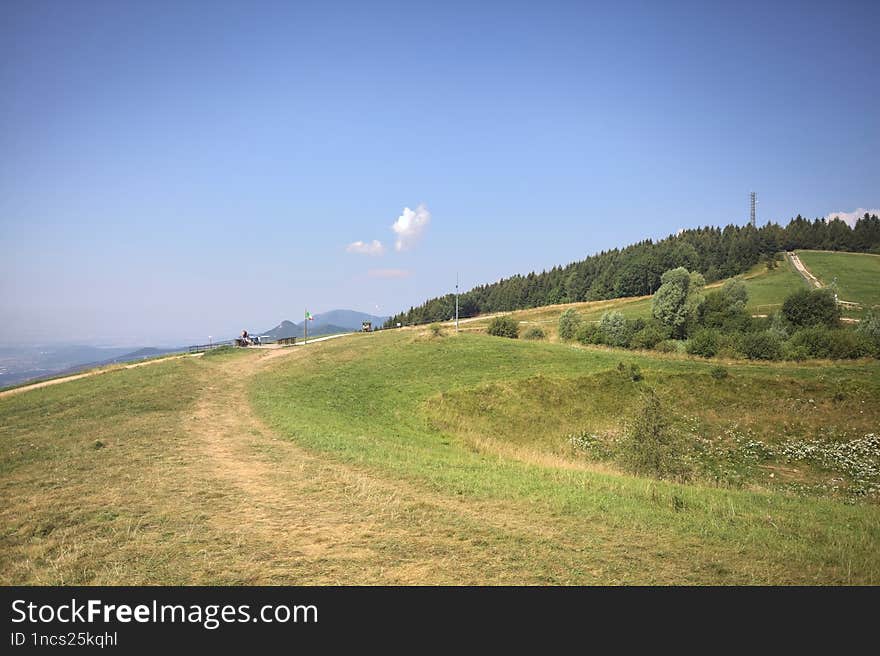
point(718, 373)
point(670, 346)
point(811, 308)
point(436, 329)
point(650, 445)
point(534, 332)
point(761, 346)
point(821, 342)
point(725, 309)
point(614, 329)
point(589, 333)
point(779, 326)
point(569, 322)
point(796, 352)
point(869, 326)
point(728, 346)
point(704, 343)
point(631, 372)
point(504, 327)
point(648, 337)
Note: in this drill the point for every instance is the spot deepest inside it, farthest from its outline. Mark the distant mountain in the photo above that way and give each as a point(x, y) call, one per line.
point(28, 364)
point(327, 323)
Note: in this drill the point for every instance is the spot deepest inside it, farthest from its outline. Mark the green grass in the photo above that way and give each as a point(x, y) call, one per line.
point(768, 289)
point(378, 402)
point(857, 274)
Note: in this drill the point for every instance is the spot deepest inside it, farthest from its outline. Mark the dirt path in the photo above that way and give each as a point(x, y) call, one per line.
point(304, 518)
point(812, 280)
point(317, 521)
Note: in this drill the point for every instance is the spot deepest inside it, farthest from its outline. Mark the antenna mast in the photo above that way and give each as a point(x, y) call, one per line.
point(753, 202)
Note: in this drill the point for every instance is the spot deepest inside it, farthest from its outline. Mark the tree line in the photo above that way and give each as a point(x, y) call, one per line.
point(636, 270)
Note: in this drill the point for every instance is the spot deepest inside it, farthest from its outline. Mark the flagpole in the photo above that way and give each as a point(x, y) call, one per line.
point(306, 328)
point(456, 301)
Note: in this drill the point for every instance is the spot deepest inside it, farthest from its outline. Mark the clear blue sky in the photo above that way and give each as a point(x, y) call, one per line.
point(174, 170)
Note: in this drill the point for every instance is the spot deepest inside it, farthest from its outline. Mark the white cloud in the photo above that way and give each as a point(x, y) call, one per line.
point(409, 227)
point(374, 247)
point(388, 273)
point(850, 218)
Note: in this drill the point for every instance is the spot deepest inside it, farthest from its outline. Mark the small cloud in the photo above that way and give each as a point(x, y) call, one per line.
point(374, 247)
point(410, 226)
point(850, 218)
point(388, 273)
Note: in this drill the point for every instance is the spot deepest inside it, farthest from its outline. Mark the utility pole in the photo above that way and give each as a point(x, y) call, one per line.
point(456, 301)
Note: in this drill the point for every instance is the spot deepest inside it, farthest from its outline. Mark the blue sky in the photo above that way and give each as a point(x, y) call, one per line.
point(177, 170)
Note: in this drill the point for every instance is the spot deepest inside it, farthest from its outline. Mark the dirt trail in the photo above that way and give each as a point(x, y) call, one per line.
point(308, 519)
point(317, 521)
point(812, 280)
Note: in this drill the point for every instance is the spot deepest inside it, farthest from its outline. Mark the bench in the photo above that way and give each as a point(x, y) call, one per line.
point(287, 341)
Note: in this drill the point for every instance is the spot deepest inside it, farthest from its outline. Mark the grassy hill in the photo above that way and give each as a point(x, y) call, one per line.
point(767, 290)
point(398, 457)
point(404, 457)
point(857, 274)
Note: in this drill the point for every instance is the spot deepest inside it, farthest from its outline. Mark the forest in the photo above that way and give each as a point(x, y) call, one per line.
point(635, 270)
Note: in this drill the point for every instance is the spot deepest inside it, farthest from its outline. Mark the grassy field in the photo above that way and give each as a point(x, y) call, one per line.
point(399, 457)
point(858, 274)
point(474, 419)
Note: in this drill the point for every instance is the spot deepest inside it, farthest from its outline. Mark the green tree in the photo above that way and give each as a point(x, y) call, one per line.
point(816, 307)
point(725, 309)
point(569, 322)
point(678, 299)
point(614, 329)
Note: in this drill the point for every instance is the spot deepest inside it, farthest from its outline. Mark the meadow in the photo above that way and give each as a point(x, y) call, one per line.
point(409, 457)
point(857, 275)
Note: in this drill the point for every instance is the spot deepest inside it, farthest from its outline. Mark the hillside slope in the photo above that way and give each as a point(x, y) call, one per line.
point(856, 275)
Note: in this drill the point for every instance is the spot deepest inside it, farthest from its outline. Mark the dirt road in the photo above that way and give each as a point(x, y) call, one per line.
point(812, 280)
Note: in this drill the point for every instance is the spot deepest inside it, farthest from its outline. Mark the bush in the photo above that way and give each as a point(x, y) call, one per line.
point(869, 326)
point(815, 307)
point(436, 329)
point(780, 326)
point(569, 322)
point(589, 333)
point(670, 346)
point(614, 329)
point(631, 372)
point(534, 332)
point(504, 327)
point(764, 345)
point(798, 352)
point(821, 342)
point(648, 337)
point(650, 445)
point(718, 373)
point(704, 343)
point(728, 346)
point(725, 309)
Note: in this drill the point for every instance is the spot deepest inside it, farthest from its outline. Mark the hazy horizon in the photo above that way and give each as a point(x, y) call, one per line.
point(173, 172)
